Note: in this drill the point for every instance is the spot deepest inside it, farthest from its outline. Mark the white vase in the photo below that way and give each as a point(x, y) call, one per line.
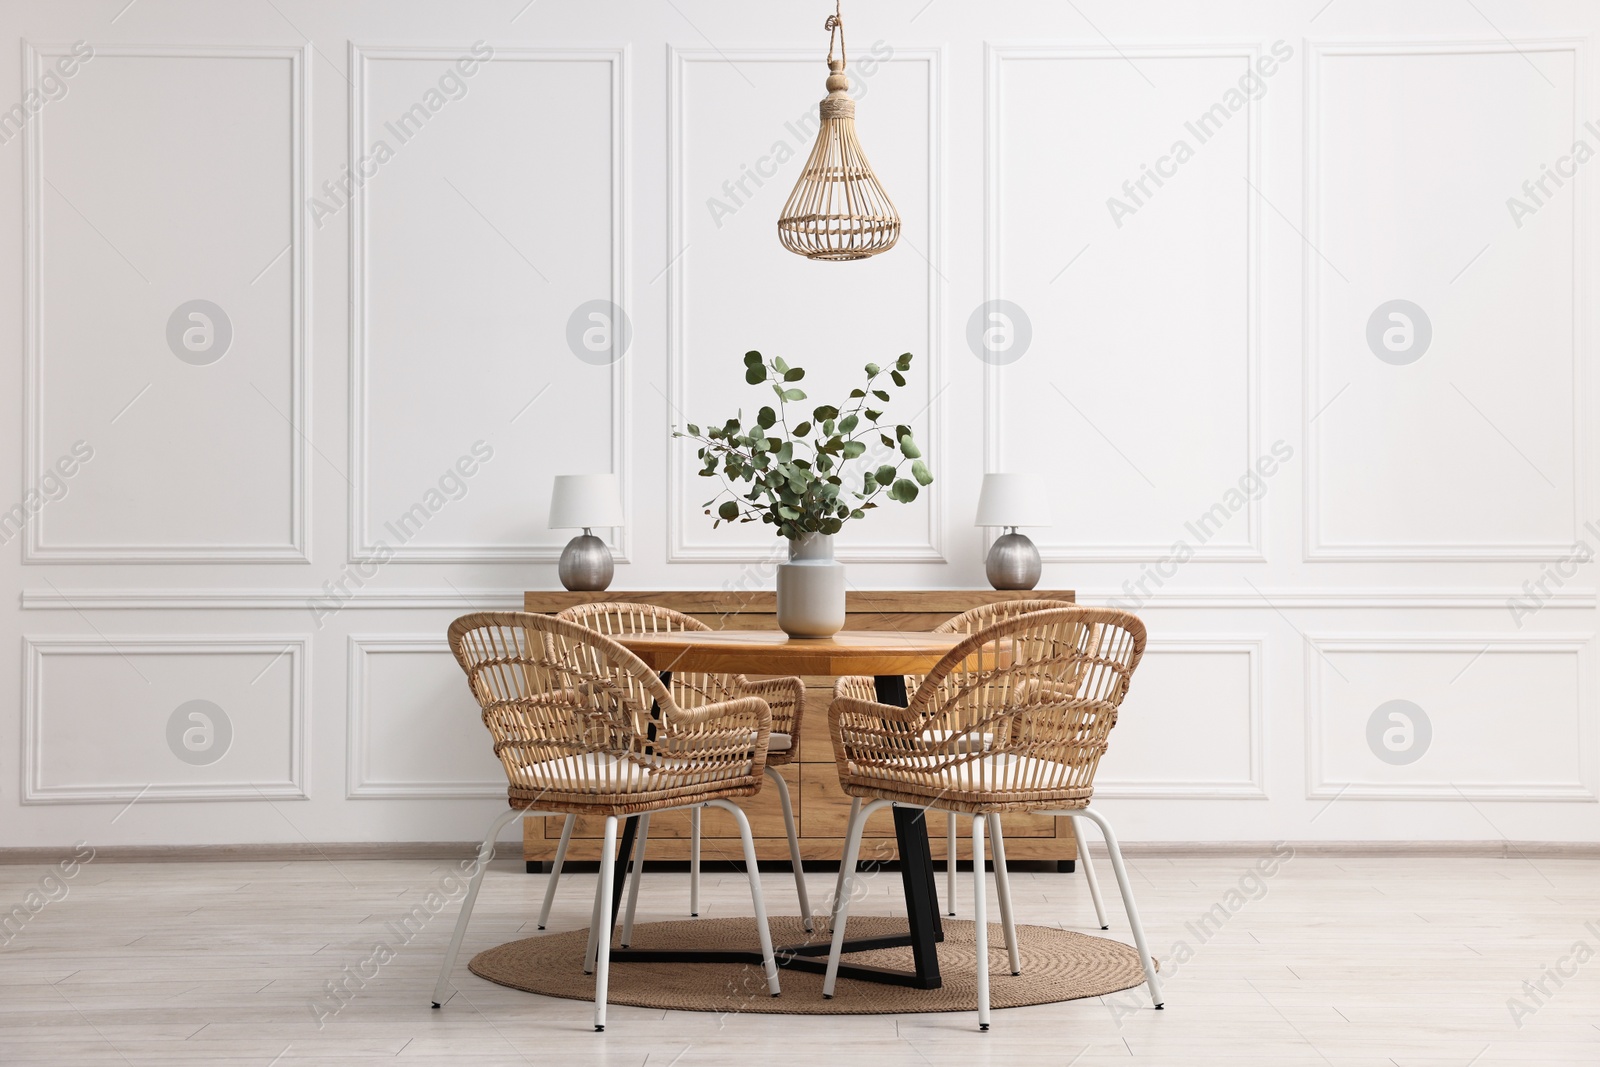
point(811, 589)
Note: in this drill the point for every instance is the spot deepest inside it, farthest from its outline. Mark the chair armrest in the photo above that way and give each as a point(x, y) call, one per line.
point(787, 699)
point(865, 729)
point(713, 739)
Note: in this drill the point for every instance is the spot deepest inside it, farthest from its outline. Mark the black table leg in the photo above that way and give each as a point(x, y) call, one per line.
point(922, 906)
point(630, 826)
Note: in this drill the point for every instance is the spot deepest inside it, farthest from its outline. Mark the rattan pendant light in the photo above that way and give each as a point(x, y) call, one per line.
point(838, 210)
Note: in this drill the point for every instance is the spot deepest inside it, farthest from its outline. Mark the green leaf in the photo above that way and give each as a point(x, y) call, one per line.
point(729, 510)
point(888, 442)
point(869, 481)
point(793, 394)
point(858, 514)
point(884, 475)
point(873, 370)
point(874, 415)
point(755, 375)
point(776, 388)
point(852, 449)
point(752, 359)
point(794, 374)
point(904, 362)
point(848, 423)
point(802, 429)
point(782, 367)
point(905, 490)
point(766, 418)
point(909, 449)
point(857, 394)
point(881, 395)
point(826, 411)
point(899, 379)
point(786, 452)
point(694, 430)
point(919, 471)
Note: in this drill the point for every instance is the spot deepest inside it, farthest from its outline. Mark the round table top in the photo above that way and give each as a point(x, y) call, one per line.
point(774, 652)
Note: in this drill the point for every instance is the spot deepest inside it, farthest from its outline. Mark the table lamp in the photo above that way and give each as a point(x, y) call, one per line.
point(1012, 500)
point(578, 502)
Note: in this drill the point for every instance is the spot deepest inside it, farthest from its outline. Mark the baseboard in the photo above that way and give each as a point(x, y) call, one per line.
point(511, 851)
point(351, 850)
point(1461, 849)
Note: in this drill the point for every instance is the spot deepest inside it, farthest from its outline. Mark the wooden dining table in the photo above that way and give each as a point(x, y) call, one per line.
point(886, 655)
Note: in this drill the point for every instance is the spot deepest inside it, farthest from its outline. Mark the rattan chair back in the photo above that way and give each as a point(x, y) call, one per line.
point(581, 724)
point(1015, 717)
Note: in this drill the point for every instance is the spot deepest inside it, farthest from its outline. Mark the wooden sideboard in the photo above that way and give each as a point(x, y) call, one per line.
point(821, 807)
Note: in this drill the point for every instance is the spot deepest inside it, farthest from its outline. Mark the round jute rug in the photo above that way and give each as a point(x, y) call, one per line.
point(1056, 965)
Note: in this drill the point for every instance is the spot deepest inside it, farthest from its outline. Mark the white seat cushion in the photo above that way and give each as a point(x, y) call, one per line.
point(965, 743)
point(1004, 771)
point(592, 771)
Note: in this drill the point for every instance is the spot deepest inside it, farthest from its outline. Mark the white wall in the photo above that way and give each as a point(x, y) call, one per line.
point(1212, 320)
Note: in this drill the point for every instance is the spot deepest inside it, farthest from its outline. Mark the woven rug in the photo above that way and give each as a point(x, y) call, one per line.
point(1056, 965)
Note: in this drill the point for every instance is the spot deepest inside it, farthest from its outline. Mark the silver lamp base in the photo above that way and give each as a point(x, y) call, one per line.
point(1013, 562)
point(586, 564)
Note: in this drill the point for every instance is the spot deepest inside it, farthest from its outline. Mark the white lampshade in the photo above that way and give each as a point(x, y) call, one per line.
point(581, 500)
point(1013, 500)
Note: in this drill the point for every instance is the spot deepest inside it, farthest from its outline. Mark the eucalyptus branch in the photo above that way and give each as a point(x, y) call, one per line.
point(802, 494)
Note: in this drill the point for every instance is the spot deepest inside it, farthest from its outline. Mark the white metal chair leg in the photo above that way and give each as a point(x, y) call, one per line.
point(768, 961)
point(694, 862)
point(601, 935)
point(1151, 981)
point(950, 836)
point(485, 854)
point(838, 885)
point(794, 845)
point(635, 876)
point(594, 923)
point(1089, 875)
point(1002, 881)
point(555, 871)
point(847, 881)
point(980, 920)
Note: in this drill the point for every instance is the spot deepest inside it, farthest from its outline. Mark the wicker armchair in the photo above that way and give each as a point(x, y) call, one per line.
point(786, 698)
point(860, 687)
point(1015, 718)
point(582, 726)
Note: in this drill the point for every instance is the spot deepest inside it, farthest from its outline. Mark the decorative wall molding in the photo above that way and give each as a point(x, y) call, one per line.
point(1318, 547)
point(478, 599)
point(363, 546)
point(1320, 786)
point(1255, 787)
point(358, 781)
point(296, 647)
point(679, 548)
point(34, 549)
point(996, 56)
point(266, 599)
point(1377, 598)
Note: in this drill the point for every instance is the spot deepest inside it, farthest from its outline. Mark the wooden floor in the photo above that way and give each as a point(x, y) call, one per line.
point(1332, 961)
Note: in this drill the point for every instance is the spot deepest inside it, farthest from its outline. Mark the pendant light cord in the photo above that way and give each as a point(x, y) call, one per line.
point(835, 28)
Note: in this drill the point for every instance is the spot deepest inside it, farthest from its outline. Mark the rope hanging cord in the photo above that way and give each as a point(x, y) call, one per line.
point(838, 209)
